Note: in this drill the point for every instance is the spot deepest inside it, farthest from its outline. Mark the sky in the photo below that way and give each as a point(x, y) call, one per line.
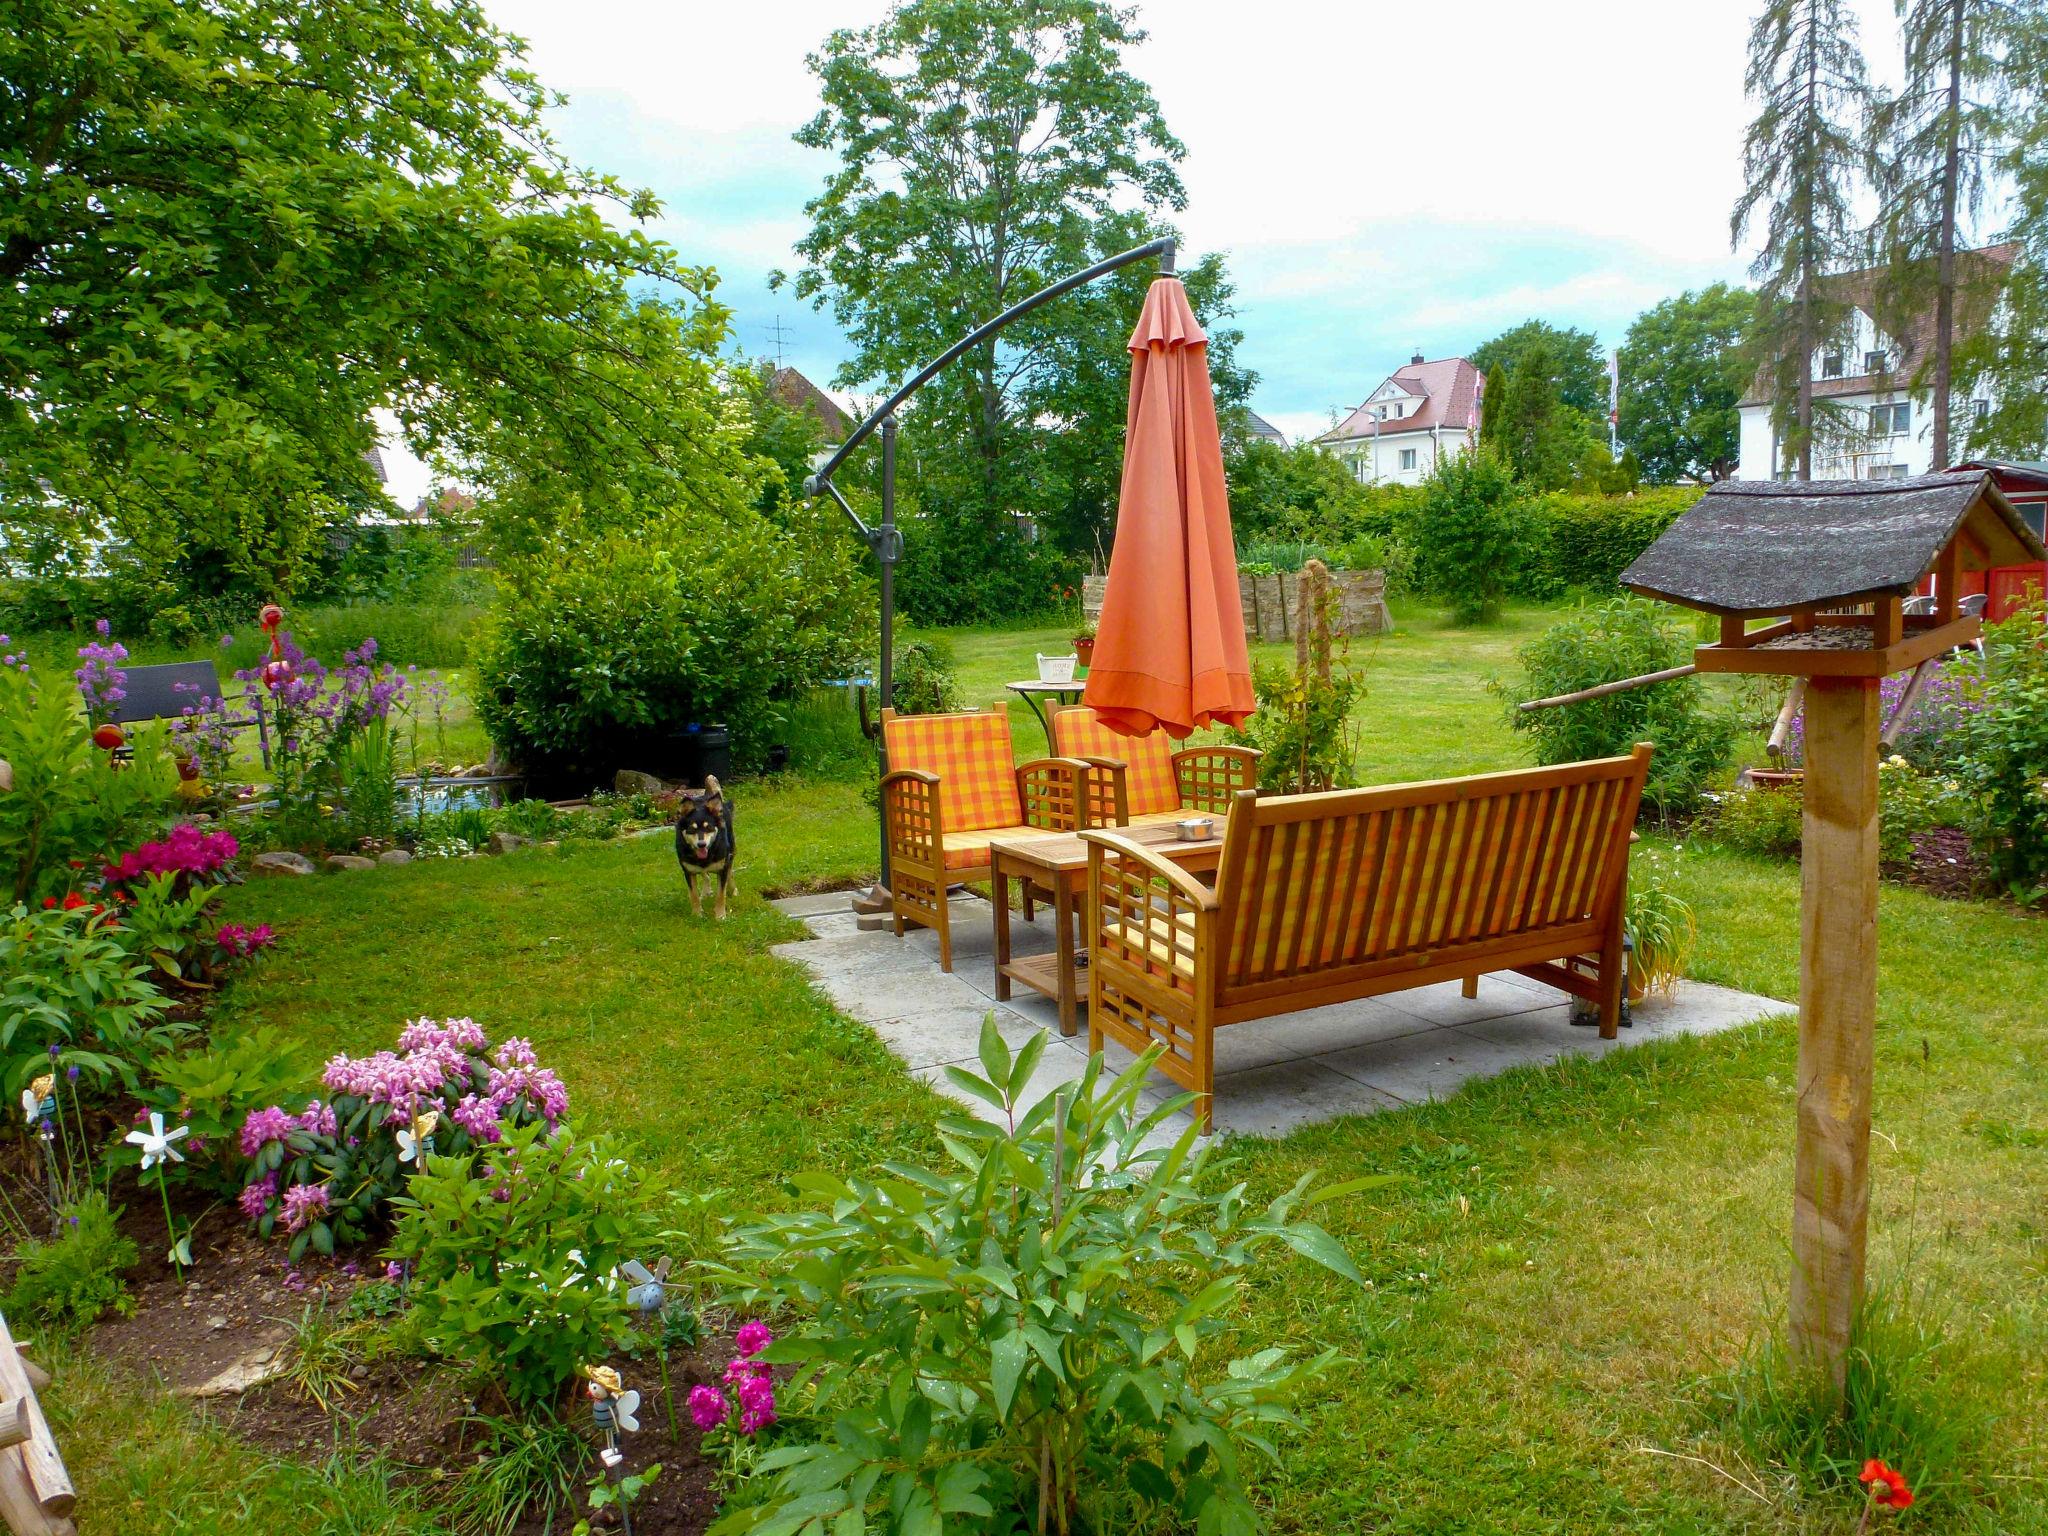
point(1382, 177)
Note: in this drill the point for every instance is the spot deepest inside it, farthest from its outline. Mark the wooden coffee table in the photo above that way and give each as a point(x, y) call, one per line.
point(1058, 863)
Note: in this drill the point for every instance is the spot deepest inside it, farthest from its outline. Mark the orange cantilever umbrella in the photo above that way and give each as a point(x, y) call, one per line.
point(1169, 647)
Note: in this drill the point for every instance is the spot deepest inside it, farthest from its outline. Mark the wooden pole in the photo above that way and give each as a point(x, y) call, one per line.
point(1619, 685)
point(1781, 733)
point(1837, 1018)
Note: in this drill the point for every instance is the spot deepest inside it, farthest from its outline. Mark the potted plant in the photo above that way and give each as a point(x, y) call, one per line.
point(1661, 930)
point(1084, 644)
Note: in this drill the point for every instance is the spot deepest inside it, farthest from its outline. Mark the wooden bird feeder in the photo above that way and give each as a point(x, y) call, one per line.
point(1829, 564)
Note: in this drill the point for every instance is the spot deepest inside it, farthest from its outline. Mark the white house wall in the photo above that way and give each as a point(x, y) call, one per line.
point(1377, 461)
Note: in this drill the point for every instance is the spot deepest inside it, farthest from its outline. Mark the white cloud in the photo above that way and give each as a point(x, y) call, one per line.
point(1338, 151)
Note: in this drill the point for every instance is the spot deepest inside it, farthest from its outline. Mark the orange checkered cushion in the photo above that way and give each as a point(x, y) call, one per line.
point(1149, 780)
point(972, 756)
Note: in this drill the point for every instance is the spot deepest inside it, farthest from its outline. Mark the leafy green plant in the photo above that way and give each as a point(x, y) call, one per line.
point(1911, 804)
point(923, 682)
point(2002, 752)
point(1465, 535)
point(71, 1279)
point(1662, 928)
point(622, 1495)
point(528, 1463)
point(161, 927)
point(366, 772)
point(531, 818)
point(214, 1089)
point(1603, 643)
point(1042, 1324)
point(71, 995)
point(71, 803)
point(1767, 822)
point(513, 1246)
point(321, 1348)
point(1303, 728)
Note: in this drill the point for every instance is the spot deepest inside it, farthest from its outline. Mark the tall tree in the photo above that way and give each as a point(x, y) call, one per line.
point(1684, 366)
point(2006, 362)
point(986, 147)
point(1544, 440)
point(230, 232)
point(1493, 406)
point(1802, 162)
point(1578, 373)
point(1936, 141)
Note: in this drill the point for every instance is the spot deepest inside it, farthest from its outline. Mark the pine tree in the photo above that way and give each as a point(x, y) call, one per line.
point(1801, 163)
point(1935, 141)
point(1493, 407)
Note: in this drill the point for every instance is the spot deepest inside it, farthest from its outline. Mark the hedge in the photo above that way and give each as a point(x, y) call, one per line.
point(1580, 543)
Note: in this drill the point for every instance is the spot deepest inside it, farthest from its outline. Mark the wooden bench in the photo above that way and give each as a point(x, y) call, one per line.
point(954, 786)
point(167, 690)
point(1134, 780)
point(1326, 898)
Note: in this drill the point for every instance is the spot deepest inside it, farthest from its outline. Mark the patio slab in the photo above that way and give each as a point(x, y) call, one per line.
point(1272, 1075)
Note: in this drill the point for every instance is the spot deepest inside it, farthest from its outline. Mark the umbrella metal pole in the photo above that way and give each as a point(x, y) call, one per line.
point(886, 551)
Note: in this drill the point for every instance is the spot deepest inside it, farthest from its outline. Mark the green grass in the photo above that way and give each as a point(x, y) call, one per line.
point(1576, 1261)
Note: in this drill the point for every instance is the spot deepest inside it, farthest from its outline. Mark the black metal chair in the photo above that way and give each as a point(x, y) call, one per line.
point(167, 690)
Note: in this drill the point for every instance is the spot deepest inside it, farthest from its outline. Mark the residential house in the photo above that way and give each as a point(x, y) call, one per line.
point(1870, 423)
point(1259, 430)
point(1425, 413)
point(800, 394)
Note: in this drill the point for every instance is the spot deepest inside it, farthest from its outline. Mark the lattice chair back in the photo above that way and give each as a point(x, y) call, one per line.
point(1357, 882)
point(973, 758)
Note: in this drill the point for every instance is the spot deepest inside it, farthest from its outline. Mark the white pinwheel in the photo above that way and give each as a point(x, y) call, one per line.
point(156, 1141)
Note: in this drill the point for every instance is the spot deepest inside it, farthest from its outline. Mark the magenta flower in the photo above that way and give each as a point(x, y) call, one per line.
point(303, 1205)
point(265, 1126)
point(708, 1408)
point(753, 1338)
point(757, 1404)
point(255, 1198)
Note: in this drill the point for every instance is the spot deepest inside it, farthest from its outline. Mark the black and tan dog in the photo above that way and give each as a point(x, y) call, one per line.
point(704, 841)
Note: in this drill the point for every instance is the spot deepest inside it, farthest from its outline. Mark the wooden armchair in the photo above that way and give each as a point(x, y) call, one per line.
point(1133, 780)
point(953, 787)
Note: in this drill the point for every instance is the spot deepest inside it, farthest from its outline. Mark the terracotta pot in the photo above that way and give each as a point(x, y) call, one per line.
point(1084, 651)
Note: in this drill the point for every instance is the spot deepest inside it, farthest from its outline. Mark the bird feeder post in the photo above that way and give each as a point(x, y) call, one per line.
point(1837, 1019)
point(1827, 564)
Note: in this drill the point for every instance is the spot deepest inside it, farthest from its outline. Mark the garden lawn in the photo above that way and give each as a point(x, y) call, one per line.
point(1576, 1257)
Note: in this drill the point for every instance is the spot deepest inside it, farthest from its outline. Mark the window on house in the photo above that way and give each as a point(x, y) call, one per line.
point(1875, 362)
point(2036, 518)
point(1885, 472)
point(1980, 410)
point(1358, 470)
point(1894, 419)
point(1407, 458)
point(1831, 365)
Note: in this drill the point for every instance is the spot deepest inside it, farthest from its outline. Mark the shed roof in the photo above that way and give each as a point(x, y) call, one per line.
point(1757, 547)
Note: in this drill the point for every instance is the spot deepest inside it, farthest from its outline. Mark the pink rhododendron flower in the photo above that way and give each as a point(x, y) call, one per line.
point(303, 1205)
point(265, 1126)
point(255, 1198)
point(479, 1117)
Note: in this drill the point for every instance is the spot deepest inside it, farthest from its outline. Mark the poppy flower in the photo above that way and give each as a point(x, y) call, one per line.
point(1887, 1487)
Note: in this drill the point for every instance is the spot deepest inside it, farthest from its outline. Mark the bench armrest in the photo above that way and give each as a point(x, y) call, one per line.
point(1104, 791)
point(912, 811)
point(1052, 793)
point(1151, 926)
point(1118, 849)
point(1209, 777)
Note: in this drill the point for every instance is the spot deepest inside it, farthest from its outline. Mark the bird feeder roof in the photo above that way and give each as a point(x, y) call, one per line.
point(1760, 547)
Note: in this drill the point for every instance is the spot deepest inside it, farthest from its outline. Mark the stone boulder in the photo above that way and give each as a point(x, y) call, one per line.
point(394, 856)
point(505, 842)
point(342, 863)
point(282, 863)
point(630, 781)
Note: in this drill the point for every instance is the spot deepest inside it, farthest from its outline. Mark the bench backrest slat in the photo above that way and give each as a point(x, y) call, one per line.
point(167, 690)
point(1314, 884)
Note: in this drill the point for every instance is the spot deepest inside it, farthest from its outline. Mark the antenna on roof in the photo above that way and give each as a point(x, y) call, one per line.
point(778, 334)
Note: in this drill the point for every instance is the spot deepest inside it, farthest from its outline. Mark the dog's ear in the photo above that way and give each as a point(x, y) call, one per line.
point(711, 789)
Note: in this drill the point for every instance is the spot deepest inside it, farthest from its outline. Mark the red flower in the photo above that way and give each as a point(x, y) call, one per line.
point(1887, 1487)
point(49, 903)
point(73, 901)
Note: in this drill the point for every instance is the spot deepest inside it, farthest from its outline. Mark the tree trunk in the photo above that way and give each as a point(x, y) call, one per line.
point(1809, 258)
point(1945, 262)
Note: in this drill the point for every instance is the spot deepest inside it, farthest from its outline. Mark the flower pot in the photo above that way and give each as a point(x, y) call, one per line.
point(1084, 651)
point(1055, 669)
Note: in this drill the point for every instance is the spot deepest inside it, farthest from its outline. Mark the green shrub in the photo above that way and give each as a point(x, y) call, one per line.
point(513, 1246)
point(75, 1276)
point(603, 647)
point(956, 573)
point(1577, 542)
point(1603, 643)
point(1464, 537)
point(1302, 729)
point(1044, 1324)
point(214, 1090)
point(1766, 822)
point(71, 995)
point(1662, 928)
point(922, 679)
point(2002, 753)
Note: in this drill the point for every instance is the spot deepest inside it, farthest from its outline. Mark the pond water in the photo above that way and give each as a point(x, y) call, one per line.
point(454, 795)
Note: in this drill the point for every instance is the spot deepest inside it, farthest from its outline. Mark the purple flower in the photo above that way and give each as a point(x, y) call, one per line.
point(394, 1271)
point(265, 1126)
point(757, 1404)
point(479, 1117)
point(71, 1074)
point(708, 1408)
point(753, 1338)
point(304, 1204)
point(255, 1198)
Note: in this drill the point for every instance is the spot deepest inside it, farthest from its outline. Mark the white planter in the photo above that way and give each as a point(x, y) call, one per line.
point(1056, 669)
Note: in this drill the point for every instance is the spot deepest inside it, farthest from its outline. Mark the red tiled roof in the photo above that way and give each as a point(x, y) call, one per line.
point(1451, 389)
point(800, 394)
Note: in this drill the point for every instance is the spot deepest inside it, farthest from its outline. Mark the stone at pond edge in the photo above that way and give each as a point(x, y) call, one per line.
point(630, 781)
point(394, 856)
point(340, 863)
point(253, 1369)
point(505, 842)
point(282, 863)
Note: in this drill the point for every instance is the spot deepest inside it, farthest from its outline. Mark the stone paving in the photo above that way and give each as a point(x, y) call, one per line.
point(1272, 1075)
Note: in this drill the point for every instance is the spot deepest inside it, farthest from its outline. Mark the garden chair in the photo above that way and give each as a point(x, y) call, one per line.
point(1134, 780)
point(953, 787)
point(166, 691)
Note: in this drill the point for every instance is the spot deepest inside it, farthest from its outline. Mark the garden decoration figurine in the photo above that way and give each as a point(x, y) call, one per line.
point(39, 1109)
point(647, 1289)
point(419, 1139)
point(156, 1151)
point(612, 1408)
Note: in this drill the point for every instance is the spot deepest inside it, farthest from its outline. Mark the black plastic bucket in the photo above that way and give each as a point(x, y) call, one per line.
point(698, 752)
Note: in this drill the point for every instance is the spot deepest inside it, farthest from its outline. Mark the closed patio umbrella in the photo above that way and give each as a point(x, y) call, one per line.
point(1169, 646)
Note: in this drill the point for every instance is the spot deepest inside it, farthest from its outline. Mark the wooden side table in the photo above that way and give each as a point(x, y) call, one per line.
point(1059, 864)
